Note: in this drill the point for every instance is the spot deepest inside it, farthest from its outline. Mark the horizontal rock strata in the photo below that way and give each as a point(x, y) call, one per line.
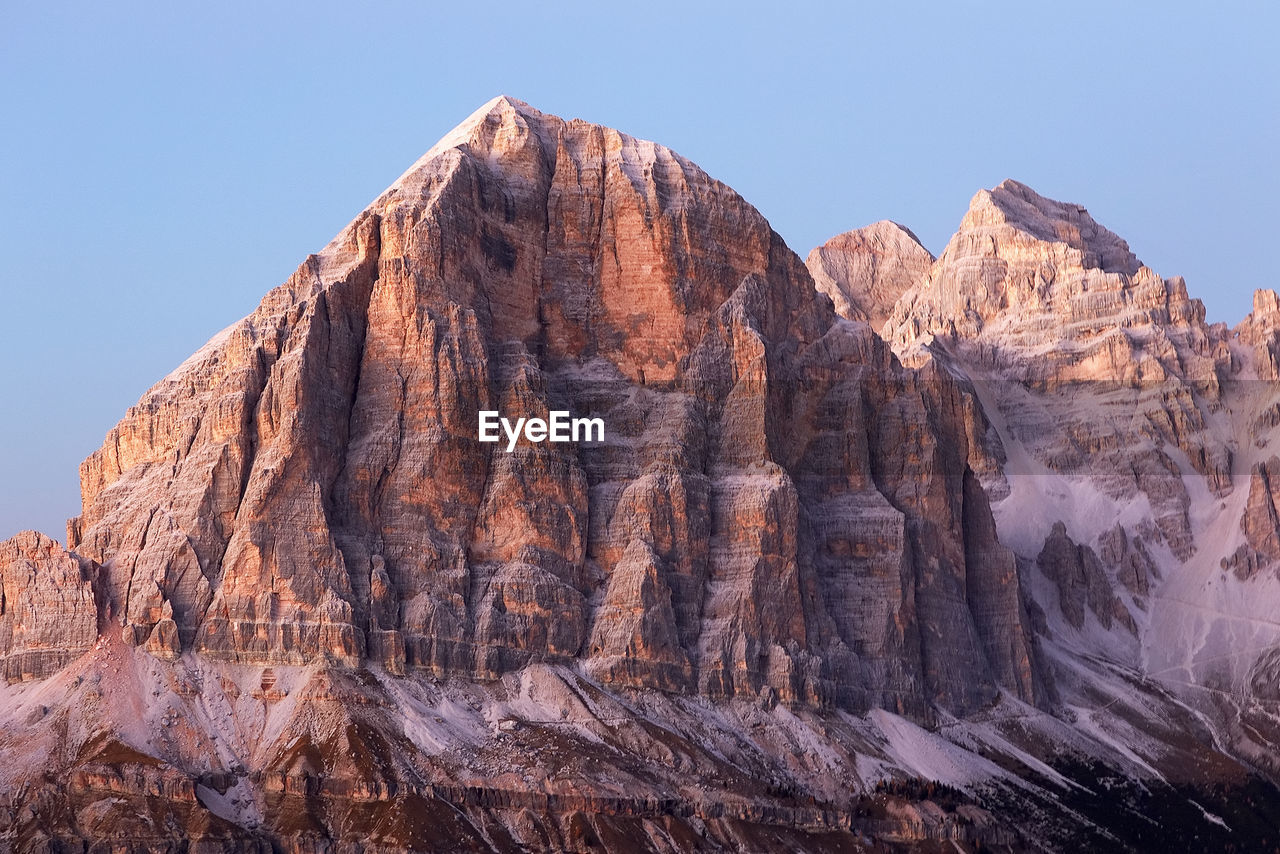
point(778, 506)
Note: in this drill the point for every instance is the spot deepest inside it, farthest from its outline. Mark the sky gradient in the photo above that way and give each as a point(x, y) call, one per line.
point(163, 167)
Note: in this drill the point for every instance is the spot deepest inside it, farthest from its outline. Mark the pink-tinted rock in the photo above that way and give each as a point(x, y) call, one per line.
point(310, 485)
point(866, 270)
point(48, 615)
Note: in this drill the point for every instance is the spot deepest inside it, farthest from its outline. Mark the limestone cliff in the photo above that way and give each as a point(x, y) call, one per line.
point(304, 608)
point(310, 485)
point(1093, 362)
point(48, 613)
point(866, 270)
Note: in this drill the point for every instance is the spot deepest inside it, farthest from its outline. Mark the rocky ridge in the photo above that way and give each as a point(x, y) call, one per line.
point(1134, 477)
point(538, 264)
point(1093, 363)
point(866, 271)
point(48, 613)
point(302, 606)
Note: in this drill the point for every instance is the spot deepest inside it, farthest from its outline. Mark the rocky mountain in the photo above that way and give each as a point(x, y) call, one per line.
point(866, 270)
point(813, 589)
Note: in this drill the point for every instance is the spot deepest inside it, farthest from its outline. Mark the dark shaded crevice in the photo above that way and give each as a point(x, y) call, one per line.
point(133, 570)
point(345, 307)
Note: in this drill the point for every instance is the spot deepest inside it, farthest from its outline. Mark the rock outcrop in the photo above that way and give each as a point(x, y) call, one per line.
point(1081, 581)
point(1260, 522)
point(1260, 332)
point(759, 517)
point(783, 603)
point(1097, 365)
point(1127, 555)
point(48, 614)
point(866, 270)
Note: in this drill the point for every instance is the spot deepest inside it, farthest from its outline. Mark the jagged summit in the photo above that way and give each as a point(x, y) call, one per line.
point(268, 505)
point(480, 131)
point(505, 126)
point(1014, 204)
point(305, 607)
point(1034, 291)
point(1026, 274)
point(866, 270)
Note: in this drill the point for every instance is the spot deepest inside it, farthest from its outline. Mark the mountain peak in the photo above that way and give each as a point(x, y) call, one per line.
point(482, 130)
point(866, 270)
point(1025, 274)
point(301, 565)
point(502, 109)
point(886, 230)
point(1014, 204)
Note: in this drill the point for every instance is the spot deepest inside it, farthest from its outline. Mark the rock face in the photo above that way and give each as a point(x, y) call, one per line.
point(1135, 476)
point(1077, 572)
point(1128, 556)
point(48, 615)
point(1260, 331)
point(1099, 366)
point(758, 518)
point(1260, 522)
point(866, 270)
point(788, 595)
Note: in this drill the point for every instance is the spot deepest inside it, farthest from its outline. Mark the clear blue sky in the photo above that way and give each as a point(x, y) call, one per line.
point(163, 166)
